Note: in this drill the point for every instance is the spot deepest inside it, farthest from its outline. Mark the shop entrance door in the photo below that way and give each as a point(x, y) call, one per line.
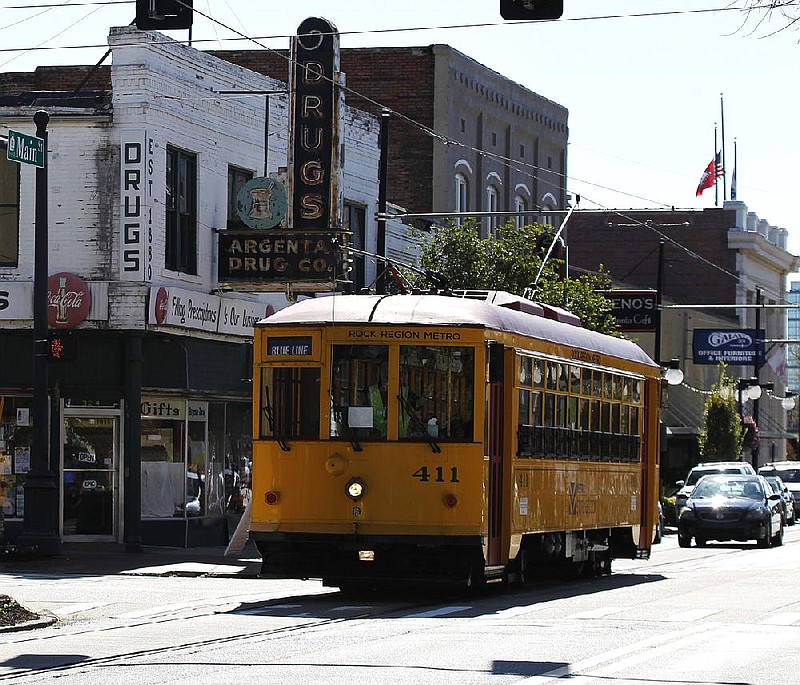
point(90, 477)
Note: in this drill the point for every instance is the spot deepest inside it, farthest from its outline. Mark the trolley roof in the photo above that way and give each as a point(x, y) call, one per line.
point(443, 310)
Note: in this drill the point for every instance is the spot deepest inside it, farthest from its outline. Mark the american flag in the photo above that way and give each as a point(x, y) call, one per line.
point(720, 172)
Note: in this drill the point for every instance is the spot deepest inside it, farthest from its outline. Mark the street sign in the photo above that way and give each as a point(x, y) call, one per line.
point(25, 149)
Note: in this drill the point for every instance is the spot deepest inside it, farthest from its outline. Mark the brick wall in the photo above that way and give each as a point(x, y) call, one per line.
point(399, 78)
point(629, 250)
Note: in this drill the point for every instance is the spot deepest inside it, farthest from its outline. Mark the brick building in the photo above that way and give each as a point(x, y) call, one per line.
point(712, 257)
point(508, 145)
point(144, 158)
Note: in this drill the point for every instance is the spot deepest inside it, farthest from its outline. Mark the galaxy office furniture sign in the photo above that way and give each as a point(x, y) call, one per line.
point(735, 347)
point(269, 257)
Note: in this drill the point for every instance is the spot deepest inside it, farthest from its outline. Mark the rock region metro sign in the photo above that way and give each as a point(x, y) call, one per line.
point(25, 149)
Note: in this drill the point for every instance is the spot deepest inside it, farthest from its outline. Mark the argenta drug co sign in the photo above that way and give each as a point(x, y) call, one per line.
point(735, 347)
point(305, 251)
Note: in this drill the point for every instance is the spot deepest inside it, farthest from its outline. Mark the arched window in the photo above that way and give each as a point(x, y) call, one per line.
point(461, 196)
point(491, 206)
point(521, 206)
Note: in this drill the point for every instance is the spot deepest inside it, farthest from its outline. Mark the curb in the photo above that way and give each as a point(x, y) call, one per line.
point(46, 619)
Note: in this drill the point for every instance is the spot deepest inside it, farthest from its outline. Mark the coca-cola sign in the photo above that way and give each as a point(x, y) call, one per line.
point(68, 300)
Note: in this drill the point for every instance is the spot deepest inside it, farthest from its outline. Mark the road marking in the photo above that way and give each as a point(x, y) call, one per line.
point(164, 609)
point(787, 618)
point(75, 608)
point(442, 611)
point(688, 616)
point(514, 611)
point(635, 653)
point(598, 613)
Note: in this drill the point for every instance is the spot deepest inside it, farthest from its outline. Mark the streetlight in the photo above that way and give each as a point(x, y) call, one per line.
point(788, 402)
point(672, 372)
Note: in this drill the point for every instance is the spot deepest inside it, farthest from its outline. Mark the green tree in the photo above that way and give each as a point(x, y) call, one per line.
point(720, 436)
point(511, 261)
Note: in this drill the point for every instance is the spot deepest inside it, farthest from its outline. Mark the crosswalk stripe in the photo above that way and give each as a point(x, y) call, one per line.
point(787, 618)
point(442, 611)
point(689, 616)
point(598, 613)
point(75, 608)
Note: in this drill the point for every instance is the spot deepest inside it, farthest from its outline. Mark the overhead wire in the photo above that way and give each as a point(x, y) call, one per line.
point(529, 169)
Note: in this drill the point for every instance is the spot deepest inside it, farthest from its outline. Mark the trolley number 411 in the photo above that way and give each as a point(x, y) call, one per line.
point(439, 474)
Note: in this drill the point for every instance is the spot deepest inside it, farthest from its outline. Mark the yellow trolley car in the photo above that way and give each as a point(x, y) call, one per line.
point(452, 439)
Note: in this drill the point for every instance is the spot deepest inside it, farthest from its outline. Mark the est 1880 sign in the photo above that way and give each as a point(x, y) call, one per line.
point(25, 149)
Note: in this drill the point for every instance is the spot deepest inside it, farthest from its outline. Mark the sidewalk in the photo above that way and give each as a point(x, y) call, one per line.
point(90, 558)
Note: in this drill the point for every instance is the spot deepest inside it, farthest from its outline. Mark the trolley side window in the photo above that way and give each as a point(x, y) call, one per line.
point(566, 410)
point(436, 392)
point(359, 400)
point(290, 402)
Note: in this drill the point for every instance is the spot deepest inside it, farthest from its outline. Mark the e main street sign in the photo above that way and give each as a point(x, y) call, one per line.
point(25, 149)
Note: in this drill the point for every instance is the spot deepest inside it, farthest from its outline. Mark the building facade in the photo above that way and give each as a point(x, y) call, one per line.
point(150, 413)
point(463, 138)
point(720, 268)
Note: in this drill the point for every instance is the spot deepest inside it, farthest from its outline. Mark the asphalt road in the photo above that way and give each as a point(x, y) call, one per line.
point(725, 614)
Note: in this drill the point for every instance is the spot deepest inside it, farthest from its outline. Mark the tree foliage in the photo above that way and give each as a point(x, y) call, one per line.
point(720, 436)
point(511, 261)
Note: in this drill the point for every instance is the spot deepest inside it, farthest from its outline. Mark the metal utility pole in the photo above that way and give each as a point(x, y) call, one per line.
point(383, 179)
point(40, 520)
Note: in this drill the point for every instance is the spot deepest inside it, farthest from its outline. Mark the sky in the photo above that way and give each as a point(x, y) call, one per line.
point(646, 82)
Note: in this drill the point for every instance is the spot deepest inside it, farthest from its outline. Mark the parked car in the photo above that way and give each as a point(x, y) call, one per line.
point(697, 472)
point(731, 507)
point(789, 472)
point(787, 498)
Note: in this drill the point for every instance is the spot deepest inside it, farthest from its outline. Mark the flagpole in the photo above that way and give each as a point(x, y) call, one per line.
point(722, 118)
point(733, 177)
point(716, 176)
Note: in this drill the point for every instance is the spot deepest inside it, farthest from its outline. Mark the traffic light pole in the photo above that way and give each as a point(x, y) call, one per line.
point(40, 519)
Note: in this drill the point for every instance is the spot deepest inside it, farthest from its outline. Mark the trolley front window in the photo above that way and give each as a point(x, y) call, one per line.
point(290, 403)
point(359, 399)
point(436, 392)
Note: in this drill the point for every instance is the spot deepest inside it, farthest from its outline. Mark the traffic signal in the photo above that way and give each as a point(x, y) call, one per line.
point(163, 15)
point(61, 347)
point(531, 9)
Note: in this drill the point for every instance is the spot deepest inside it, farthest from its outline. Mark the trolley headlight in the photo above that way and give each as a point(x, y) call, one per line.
point(354, 489)
point(272, 497)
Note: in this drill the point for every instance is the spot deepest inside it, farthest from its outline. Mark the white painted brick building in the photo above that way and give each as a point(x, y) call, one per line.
point(152, 396)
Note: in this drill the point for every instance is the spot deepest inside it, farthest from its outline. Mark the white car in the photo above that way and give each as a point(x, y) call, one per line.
point(789, 473)
point(697, 472)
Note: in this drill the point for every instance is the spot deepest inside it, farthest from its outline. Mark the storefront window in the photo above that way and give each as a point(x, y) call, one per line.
point(16, 435)
point(230, 458)
point(164, 468)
